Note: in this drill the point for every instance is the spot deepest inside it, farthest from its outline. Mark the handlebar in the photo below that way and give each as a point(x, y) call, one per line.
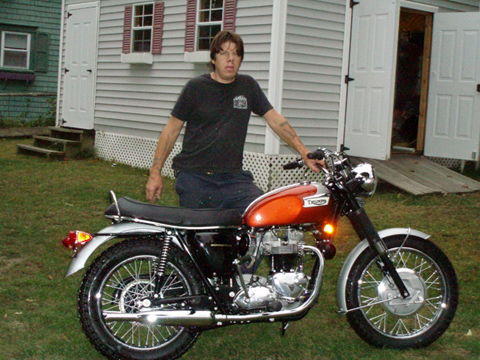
point(294, 165)
point(339, 170)
point(318, 154)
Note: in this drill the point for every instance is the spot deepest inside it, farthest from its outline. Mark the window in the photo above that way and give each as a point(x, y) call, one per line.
point(142, 32)
point(205, 18)
point(15, 50)
point(142, 28)
point(23, 52)
point(210, 21)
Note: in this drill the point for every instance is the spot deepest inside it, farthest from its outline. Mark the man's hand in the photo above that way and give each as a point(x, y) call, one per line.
point(154, 186)
point(164, 147)
point(313, 164)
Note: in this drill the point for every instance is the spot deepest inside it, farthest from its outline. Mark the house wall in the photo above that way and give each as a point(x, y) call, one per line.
point(313, 67)
point(30, 99)
point(136, 100)
point(133, 102)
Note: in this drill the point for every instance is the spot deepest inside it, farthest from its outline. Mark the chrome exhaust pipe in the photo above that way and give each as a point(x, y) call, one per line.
point(207, 318)
point(171, 318)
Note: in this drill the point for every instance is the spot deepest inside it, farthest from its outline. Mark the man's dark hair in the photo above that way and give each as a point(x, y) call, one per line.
point(221, 38)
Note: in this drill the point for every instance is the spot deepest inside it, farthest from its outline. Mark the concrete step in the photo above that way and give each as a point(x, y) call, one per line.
point(69, 147)
point(72, 134)
point(61, 143)
point(34, 150)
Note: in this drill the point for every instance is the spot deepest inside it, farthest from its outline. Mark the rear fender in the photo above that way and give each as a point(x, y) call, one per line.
point(112, 232)
point(352, 257)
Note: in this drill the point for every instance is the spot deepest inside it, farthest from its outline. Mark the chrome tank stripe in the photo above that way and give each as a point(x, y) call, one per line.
point(273, 192)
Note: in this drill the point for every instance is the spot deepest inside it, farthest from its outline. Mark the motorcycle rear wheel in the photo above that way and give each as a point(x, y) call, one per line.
point(383, 318)
point(121, 279)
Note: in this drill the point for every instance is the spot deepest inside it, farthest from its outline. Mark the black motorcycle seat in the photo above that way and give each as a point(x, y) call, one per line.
point(175, 216)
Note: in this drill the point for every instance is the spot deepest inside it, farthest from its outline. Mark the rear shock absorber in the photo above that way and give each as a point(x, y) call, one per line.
point(160, 265)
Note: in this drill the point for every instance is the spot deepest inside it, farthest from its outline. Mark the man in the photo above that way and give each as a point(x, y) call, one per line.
point(216, 108)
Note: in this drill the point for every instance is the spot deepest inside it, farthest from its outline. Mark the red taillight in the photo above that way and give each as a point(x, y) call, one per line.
point(76, 239)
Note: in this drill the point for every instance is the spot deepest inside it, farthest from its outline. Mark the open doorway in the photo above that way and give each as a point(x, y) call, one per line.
point(411, 83)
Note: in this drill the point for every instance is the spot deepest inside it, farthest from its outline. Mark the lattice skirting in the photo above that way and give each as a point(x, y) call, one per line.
point(138, 152)
point(449, 163)
point(266, 169)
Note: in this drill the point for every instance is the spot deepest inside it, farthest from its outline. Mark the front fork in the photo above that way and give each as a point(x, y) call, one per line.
point(365, 230)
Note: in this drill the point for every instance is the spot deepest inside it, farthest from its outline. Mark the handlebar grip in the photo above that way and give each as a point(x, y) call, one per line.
point(292, 165)
point(317, 155)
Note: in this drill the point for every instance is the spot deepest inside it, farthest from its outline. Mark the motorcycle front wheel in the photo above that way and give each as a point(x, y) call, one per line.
point(382, 317)
point(122, 279)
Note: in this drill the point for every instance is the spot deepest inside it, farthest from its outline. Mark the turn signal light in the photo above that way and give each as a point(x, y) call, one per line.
point(328, 229)
point(76, 239)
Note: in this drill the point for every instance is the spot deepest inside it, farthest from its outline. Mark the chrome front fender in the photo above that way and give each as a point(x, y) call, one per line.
point(349, 261)
point(114, 231)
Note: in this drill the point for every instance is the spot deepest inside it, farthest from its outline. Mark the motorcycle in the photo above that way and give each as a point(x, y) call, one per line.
point(171, 273)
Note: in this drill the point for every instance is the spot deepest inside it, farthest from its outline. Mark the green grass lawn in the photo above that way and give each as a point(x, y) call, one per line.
point(41, 201)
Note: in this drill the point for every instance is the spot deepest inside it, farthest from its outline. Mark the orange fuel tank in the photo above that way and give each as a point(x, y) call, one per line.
point(295, 204)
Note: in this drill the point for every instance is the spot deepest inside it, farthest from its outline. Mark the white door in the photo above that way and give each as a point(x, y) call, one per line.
point(80, 66)
point(453, 115)
point(373, 54)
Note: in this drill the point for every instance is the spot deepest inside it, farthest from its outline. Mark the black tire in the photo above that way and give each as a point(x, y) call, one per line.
point(401, 323)
point(119, 277)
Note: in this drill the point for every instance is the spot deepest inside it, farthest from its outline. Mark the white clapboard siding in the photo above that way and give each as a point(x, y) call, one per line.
point(254, 24)
point(136, 100)
point(312, 70)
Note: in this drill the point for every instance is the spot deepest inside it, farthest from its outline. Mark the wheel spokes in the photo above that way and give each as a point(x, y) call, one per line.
point(126, 289)
point(386, 311)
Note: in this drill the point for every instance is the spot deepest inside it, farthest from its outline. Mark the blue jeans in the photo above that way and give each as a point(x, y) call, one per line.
point(218, 190)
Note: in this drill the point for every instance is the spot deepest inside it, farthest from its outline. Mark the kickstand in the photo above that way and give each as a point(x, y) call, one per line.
point(284, 327)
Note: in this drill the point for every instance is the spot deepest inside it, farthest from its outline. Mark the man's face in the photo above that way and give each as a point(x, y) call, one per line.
point(227, 62)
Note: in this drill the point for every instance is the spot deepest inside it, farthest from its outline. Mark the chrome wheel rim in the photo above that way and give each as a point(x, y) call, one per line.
point(129, 288)
point(383, 307)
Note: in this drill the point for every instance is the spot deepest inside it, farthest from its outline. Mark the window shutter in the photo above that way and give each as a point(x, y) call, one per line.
point(127, 29)
point(41, 53)
point(229, 15)
point(158, 28)
point(190, 25)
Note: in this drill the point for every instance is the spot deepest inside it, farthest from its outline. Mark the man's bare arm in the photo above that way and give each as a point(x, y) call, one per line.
point(283, 129)
point(165, 145)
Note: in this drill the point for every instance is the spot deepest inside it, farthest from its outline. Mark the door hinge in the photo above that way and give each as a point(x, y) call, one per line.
point(348, 79)
point(474, 155)
point(69, 14)
point(353, 3)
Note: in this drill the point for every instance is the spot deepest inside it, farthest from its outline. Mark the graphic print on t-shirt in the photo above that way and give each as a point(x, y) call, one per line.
point(240, 102)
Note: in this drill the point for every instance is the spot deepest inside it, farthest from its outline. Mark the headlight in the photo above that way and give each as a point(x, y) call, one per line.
point(367, 173)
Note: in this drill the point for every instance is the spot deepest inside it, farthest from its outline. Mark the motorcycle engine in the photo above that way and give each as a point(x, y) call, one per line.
point(286, 282)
